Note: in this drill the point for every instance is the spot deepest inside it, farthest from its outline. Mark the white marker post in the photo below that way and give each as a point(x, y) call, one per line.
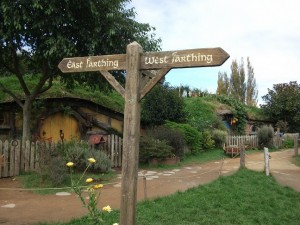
point(267, 158)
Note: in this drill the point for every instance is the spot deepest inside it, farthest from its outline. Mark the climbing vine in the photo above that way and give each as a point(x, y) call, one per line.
point(239, 112)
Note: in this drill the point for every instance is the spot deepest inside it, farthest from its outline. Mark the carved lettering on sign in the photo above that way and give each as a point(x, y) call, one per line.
point(101, 63)
point(191, 58)
point(92, 64)
point(156, 60)
point(179, 58)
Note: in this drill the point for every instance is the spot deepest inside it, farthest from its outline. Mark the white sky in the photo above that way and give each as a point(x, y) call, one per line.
point(266, 31)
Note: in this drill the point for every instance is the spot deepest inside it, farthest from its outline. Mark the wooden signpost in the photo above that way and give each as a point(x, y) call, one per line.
point(143, 71)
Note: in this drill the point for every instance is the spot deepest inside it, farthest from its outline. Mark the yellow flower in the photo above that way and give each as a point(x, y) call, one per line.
point(115, 224)
point(91, 160)
point(70, 164)
point(89, 180)
point(98, 186)
point(107, 208)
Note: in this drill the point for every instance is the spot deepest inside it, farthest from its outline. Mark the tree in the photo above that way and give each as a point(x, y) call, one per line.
point(251, 94)
point(236, 85)
point(161, 104)
point(223, 84)
point(283, 103)
point(36, 35)
point(237, 81)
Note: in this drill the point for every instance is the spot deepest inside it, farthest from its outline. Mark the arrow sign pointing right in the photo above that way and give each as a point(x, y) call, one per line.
point(203, 57)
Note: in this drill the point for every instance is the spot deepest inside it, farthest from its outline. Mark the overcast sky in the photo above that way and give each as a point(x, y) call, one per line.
point(266, 31)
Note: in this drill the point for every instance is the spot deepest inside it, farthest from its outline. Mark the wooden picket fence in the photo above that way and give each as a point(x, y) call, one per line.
point(15, 158)
point(250, 140)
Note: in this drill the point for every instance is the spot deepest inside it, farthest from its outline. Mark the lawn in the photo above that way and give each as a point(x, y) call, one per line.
point(244, 198)
point(296, 160)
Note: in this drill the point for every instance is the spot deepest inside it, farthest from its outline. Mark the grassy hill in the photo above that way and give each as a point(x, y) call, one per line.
point(201, 111)
point(108, 99)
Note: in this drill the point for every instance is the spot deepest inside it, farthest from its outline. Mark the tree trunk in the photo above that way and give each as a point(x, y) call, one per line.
point(26, 120)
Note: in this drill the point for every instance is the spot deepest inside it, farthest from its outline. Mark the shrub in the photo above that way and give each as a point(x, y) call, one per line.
point(288, 143)
point(153, 148)
point(192, 136)
point(219, 137)
point(102, 164)
point(265, 136)
point(77, 152)
point(162, 103)
point(74, 151)
point(207, 141)
point(173, 137)
point(57, 171)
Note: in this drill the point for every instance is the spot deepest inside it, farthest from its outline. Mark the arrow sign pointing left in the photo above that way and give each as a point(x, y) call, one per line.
point(93, 63)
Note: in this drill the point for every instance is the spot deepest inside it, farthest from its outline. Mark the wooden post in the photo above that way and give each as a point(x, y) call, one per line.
point(242, 155)
point(267, 157)
point(134, 62)
point(145, 186)
point(131, 136)
point(296, 137)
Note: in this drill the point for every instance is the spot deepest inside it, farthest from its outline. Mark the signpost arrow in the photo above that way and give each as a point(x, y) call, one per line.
point(202, 57)
point(93, 63)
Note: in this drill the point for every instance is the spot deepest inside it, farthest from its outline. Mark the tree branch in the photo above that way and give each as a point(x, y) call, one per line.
point(5, 90)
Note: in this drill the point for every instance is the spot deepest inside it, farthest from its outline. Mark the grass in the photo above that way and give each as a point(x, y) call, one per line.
point(296, 160)
point(41, 186)
point(205, 156)
point(200, 157)
point(244, 198)
point(110, 100)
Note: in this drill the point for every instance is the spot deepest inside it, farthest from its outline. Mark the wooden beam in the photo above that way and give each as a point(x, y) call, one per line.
point(113, 82)
point(131, 136)
point(155, 79)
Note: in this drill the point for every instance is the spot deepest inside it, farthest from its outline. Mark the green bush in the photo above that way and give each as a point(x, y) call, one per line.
point(57, 171)
point(219, 137)
point(78, 151)
point(173, 137)
point(102, 164)
point(288, 143)
point(153, 148)
point(207, 141)
point(265, 136)
point(192, 136)
point(162, 103)
point(75, 152)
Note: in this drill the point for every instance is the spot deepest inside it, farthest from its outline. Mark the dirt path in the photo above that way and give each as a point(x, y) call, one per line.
point(22, 207)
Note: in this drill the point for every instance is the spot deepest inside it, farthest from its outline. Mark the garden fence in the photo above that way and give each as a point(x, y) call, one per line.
point(252, 140)
point(33, 156)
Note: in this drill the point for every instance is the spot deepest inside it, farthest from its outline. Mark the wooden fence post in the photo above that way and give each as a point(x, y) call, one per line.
point(242, 155)
point(17, 144)
point(267, 157)
point(5, 154)
point(296, 138)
